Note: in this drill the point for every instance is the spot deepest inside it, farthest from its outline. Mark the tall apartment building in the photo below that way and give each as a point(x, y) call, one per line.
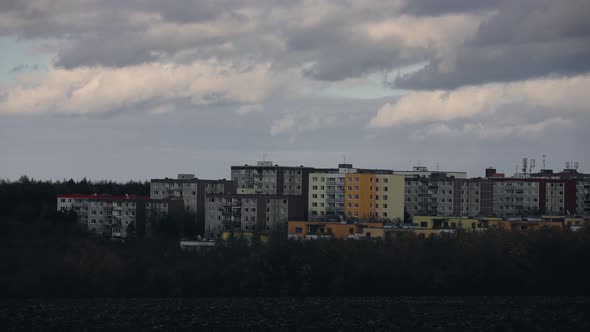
point(268, 179)
point(113, 215)
point(536, 194)
point(191, 191)
point(250, 212)
point(374, 195)
point(434, 192)
point(582, 190)
point(327, 193)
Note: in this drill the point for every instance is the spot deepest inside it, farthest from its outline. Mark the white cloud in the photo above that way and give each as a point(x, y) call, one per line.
point(492, 131)
point(249, 108)
point(441, 32)
point(301, 122)
point(553, 94)
point(283, 124)
point(102, 89)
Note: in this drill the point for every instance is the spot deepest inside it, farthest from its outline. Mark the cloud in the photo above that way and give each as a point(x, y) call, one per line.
point(554, 94)
point(100, 89)
point(301, 122)
point(283, 124)
point(249, 108)
point(523, 39)
point(492, 130)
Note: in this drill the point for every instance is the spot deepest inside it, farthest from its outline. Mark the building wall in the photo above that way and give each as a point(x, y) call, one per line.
point(192, 192)
point(112, 215)
point(249, 212)
point(374, 196)
point(334, 230)
point(359, 196)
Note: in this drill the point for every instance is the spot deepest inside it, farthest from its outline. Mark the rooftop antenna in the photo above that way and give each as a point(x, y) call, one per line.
point(264, 155)
point(524, 165)
point(576, 165)
point(531, 165)
point(344, 158)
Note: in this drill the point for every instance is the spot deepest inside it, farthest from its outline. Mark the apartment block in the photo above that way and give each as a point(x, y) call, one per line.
point(250, 212)
point(267, 179)
point(191, 191)
point(327, 194)
point(114, 216)
point(374, 195)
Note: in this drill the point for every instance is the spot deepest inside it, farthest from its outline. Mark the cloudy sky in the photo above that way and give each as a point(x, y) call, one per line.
point(139, 89)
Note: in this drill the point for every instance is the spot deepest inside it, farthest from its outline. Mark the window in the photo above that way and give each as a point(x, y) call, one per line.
point(356, 179)
point(315, 187)
point(314, 204)
point(385, 206)
point(356, 187)
point(386, 180)
point(298, 230)
point(384, 197)
point(314, 179)
point(356, 196)
point(314, 195)
point(385, 188)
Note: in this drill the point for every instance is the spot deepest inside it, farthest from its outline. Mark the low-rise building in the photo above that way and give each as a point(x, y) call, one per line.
point(313, 230)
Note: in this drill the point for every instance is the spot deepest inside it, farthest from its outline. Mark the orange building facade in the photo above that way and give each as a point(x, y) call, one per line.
point(374, 196)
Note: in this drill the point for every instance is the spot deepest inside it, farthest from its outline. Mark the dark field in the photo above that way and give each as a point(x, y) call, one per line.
point(346, 314)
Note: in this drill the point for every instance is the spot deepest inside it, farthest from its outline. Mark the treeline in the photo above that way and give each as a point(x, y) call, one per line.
point(29, 199)
point(55, 259)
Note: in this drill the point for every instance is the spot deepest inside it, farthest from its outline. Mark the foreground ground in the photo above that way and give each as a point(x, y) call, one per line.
point(345, 314)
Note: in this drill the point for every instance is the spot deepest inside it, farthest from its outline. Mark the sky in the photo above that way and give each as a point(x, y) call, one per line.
point(140, 89)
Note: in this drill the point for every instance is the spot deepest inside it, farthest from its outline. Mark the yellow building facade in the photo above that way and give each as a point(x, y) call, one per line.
point(374, 196)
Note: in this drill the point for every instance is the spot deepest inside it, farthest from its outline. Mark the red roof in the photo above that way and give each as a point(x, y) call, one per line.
point(113, 197)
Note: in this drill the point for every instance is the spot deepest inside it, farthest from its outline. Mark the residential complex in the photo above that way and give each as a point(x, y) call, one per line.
point(261, 197)
point(115, 216)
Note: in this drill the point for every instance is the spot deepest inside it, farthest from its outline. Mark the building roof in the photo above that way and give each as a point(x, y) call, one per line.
point(107, 197)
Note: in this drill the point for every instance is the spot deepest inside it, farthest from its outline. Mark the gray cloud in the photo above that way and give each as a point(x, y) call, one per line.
point(438, 7)
point(525, 39)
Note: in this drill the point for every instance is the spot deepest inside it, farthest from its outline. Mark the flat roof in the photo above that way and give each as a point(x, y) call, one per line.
point(109, 197)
